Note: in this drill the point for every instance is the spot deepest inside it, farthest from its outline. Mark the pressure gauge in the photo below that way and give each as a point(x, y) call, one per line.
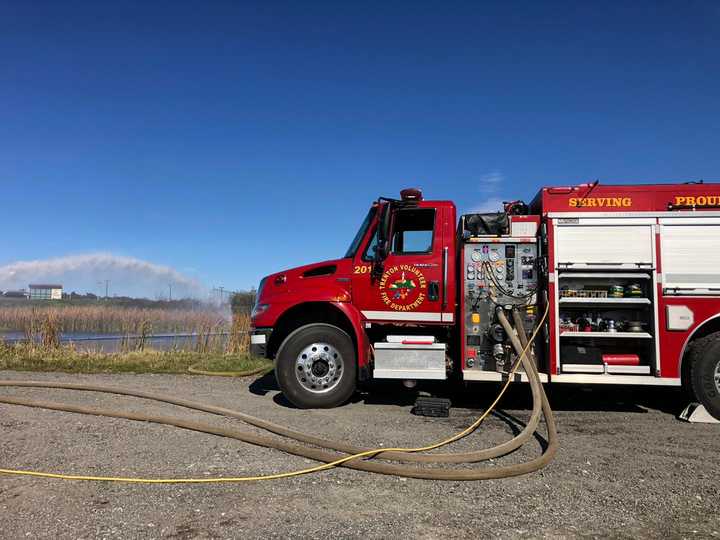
point(476, 255)
point(494, 256)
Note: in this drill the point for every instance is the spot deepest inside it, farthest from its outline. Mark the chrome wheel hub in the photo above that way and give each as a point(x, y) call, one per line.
point(717, 377)
point(319, 367)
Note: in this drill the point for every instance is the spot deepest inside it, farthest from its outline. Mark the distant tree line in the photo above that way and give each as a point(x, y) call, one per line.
point(77, 299)
point(14, 294)
point(242, 302)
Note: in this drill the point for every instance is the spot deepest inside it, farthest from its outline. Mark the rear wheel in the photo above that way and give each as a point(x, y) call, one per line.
point(705, 372)
point(316, 366)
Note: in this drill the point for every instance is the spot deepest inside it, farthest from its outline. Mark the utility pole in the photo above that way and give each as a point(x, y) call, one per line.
point(107, 285)
point(170, 293)
point(221, 292)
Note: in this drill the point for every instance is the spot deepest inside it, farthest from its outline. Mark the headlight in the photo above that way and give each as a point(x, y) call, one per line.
point(258, 310)
point(255, 309)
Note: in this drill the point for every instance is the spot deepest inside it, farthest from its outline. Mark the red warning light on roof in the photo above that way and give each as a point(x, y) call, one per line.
point(411, 194)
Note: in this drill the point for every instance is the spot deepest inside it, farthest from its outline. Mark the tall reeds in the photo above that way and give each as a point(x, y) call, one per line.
point(211, 332)
point(108, 319)
point(239, 339)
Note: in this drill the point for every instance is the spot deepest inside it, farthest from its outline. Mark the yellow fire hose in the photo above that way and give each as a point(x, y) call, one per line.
point(322, 454)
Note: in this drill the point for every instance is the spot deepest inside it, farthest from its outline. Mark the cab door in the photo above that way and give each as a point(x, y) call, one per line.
point(412, 284)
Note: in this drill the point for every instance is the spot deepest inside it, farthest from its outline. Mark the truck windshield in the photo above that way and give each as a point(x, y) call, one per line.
point(360, 234)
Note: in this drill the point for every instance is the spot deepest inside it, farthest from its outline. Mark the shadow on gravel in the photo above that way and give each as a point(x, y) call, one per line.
point(516, 426)
point(618, 398)
point(630, 399)
point(262, 385)
point(267, 383)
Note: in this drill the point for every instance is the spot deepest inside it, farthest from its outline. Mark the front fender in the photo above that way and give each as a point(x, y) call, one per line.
point(363, 344)
point(278, 304)
point(280, 318)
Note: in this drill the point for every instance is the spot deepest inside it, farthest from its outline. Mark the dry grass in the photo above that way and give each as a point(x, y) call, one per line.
point(112, 319)
point(239, 339)
point(43, 351)
point(21, 357)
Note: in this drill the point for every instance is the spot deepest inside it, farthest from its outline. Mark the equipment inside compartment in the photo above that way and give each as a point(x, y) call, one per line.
point(498, 273)
point(494, 224)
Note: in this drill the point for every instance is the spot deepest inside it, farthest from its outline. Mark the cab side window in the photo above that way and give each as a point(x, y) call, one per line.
point(413, 231)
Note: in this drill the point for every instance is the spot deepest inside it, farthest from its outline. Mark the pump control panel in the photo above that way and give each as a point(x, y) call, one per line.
point(499, 272)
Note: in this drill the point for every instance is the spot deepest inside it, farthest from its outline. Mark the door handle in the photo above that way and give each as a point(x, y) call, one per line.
point(434, 291)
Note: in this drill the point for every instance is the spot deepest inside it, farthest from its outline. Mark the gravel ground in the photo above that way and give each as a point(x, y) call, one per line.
point(627, 468)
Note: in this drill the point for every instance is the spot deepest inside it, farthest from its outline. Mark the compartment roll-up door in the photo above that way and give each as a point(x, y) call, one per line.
point(690, 256)
point(604, 245)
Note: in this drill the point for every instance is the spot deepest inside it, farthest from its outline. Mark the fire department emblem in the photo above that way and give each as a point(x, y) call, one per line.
point(403, 288)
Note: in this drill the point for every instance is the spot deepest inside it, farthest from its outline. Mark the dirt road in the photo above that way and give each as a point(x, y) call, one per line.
point(627, 468)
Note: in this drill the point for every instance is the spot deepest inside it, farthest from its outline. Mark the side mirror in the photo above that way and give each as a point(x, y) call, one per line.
point(385, 226)
point(377, 269)
point(382, 249)
point(379, 257)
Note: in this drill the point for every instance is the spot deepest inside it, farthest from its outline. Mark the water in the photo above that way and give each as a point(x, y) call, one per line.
point(91, 341)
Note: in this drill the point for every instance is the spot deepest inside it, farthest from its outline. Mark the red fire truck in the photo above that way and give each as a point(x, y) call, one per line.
point(624, 281)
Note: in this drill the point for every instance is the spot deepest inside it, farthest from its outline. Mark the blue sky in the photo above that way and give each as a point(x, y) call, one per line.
point(228, 140)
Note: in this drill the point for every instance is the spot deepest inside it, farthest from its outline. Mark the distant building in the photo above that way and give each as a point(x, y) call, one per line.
point(45, 292)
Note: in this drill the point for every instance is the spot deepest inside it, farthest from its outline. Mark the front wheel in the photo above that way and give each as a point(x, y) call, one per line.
point(705, 372)
point(316, 367)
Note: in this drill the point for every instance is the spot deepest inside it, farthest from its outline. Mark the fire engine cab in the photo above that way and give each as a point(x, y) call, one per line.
point(622, 281)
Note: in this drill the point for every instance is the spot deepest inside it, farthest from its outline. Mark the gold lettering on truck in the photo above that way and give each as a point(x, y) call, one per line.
point(600, 202)
point(699, 200)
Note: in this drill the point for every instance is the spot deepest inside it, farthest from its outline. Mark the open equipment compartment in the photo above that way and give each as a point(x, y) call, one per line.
point(498, 268)
point(605, 301)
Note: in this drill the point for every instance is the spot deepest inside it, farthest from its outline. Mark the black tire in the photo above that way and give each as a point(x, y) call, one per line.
point(704, 365)
point(341, 388)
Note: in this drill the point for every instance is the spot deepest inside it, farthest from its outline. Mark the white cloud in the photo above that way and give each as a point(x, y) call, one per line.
point(490, 186)
point(490, 182)
point(489, 205)
point(127, 275)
